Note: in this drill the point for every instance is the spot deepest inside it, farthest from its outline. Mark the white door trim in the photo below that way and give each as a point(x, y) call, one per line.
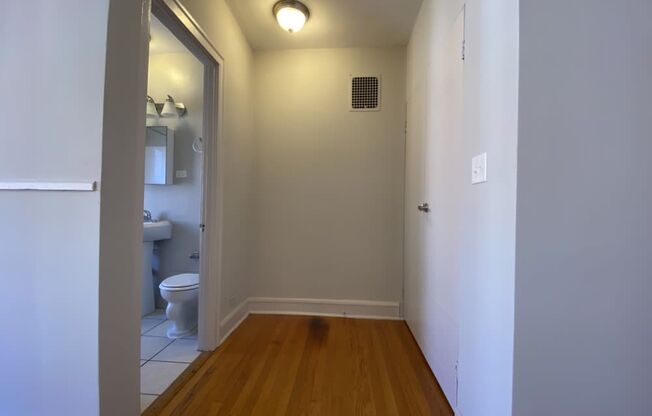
point(185, 27)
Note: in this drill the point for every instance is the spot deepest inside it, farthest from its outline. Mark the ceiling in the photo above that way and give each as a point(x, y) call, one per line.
point(162, 40)
point(332, 23)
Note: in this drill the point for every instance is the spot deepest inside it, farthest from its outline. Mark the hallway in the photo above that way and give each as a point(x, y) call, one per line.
point(345, 207)
point(291, 365)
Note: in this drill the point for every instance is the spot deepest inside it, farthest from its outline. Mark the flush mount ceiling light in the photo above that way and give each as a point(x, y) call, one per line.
point(291, 15)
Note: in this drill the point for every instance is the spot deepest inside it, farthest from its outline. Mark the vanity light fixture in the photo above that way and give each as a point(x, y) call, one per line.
point(167, 109)
point(172, 109)
point(151, 108)
point(291, 15)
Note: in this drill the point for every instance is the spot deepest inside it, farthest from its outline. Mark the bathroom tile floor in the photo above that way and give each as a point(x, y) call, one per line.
point(162, 359)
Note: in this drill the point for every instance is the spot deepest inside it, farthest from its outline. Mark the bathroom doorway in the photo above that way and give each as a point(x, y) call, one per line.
point(182, 201)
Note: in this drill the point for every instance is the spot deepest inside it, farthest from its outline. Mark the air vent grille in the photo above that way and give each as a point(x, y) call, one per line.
point(365, 93)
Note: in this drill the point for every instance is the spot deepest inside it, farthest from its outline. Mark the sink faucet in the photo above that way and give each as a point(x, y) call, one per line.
point(147, 216)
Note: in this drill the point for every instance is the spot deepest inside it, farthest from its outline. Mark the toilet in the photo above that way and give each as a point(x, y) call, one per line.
point(182, 294)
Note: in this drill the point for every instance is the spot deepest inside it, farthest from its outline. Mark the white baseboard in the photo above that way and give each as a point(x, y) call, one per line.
point(357, 309)
point(363, 309)
point(233, 320)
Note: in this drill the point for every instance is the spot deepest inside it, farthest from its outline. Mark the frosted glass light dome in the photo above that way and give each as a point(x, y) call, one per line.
point(291, 15)
point(169, 108)
point(151, 108)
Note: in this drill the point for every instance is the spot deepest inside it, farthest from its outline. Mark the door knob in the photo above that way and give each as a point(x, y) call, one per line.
point(423, 207)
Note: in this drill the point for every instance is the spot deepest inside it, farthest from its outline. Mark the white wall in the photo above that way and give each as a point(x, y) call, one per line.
point(216, 20)
point(484, 245)
point(121, 232)
point(63, 273)
point(329, 181)
point(182, 76)
point(584, 236)
point(49, 241)
point(487, 281)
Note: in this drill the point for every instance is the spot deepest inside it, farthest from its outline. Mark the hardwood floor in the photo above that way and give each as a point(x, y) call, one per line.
point(300, 365)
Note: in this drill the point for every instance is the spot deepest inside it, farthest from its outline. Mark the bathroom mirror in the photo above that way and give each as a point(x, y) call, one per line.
point(159, 155)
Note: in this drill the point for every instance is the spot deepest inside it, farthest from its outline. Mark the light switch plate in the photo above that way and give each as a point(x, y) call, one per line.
point(479, 169)
point(181, 174)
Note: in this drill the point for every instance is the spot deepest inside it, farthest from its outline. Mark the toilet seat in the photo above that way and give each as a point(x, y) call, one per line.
point(181, 282)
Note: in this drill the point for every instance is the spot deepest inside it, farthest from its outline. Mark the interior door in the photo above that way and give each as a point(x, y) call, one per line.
point(445, 173)
point(432, 243)
point(414, 255)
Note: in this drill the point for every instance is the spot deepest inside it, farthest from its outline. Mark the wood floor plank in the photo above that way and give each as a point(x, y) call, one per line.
point(384, 400)
point(301, 398)
point(363, 403)
point(278, 387)
point(245, 402)
point(422, 371)
point(302, 365)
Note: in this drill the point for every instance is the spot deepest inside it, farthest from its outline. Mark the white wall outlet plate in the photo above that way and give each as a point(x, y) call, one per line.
point(181, 174)
point(479, 169)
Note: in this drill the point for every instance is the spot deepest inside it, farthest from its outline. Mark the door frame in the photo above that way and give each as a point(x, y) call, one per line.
point(179, 21)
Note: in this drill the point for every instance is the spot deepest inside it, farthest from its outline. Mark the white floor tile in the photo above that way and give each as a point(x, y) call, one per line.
point(180, 351)
point(157, 314)
point(146, 400)
point(160, 330)
point(142, 362)
point(157, 376)
point(150, 346)
point(147, 324)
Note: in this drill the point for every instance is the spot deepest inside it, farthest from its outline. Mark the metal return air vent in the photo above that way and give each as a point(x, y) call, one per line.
point(365, 93)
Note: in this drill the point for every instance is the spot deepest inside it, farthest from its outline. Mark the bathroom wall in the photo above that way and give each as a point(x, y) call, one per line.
point(482, 246)
point(180, 75)
point(329, 211)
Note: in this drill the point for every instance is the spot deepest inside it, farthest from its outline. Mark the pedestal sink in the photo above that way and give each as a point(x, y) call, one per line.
point(155, 231)
point(152, 232)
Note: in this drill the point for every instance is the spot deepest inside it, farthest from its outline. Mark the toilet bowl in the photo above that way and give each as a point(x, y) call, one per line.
point(182, 294)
